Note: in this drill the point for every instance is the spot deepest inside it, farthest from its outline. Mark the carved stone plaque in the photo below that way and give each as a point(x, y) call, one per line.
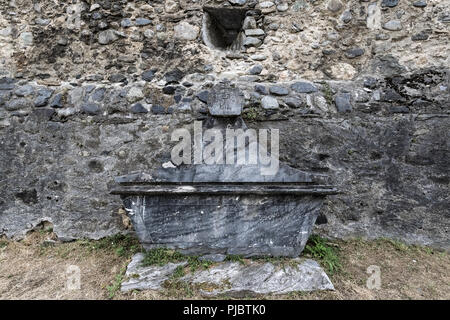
point(225, 101)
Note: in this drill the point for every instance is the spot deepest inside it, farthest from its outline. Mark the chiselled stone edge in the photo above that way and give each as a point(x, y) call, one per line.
point(221, 174)
point(225, 189)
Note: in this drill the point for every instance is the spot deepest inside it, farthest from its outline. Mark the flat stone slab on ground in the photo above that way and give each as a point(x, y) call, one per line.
point(145, 278)
point(234, 278)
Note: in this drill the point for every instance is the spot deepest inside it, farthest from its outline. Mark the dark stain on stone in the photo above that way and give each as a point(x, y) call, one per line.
point(321, 219)
point(95, 166)
point(28, 196)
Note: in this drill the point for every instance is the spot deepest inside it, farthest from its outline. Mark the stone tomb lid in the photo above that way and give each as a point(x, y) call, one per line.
point(225, 179)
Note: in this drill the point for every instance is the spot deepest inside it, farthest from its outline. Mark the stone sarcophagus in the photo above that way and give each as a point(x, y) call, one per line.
point(231, 211)
point(221, 207)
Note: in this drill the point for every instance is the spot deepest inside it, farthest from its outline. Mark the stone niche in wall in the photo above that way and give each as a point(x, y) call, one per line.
point(232, 29)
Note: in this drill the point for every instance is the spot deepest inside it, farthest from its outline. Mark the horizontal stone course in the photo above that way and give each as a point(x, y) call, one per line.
point(319, 97)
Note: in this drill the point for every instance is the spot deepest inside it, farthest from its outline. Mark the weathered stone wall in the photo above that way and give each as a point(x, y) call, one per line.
point(359, 90)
